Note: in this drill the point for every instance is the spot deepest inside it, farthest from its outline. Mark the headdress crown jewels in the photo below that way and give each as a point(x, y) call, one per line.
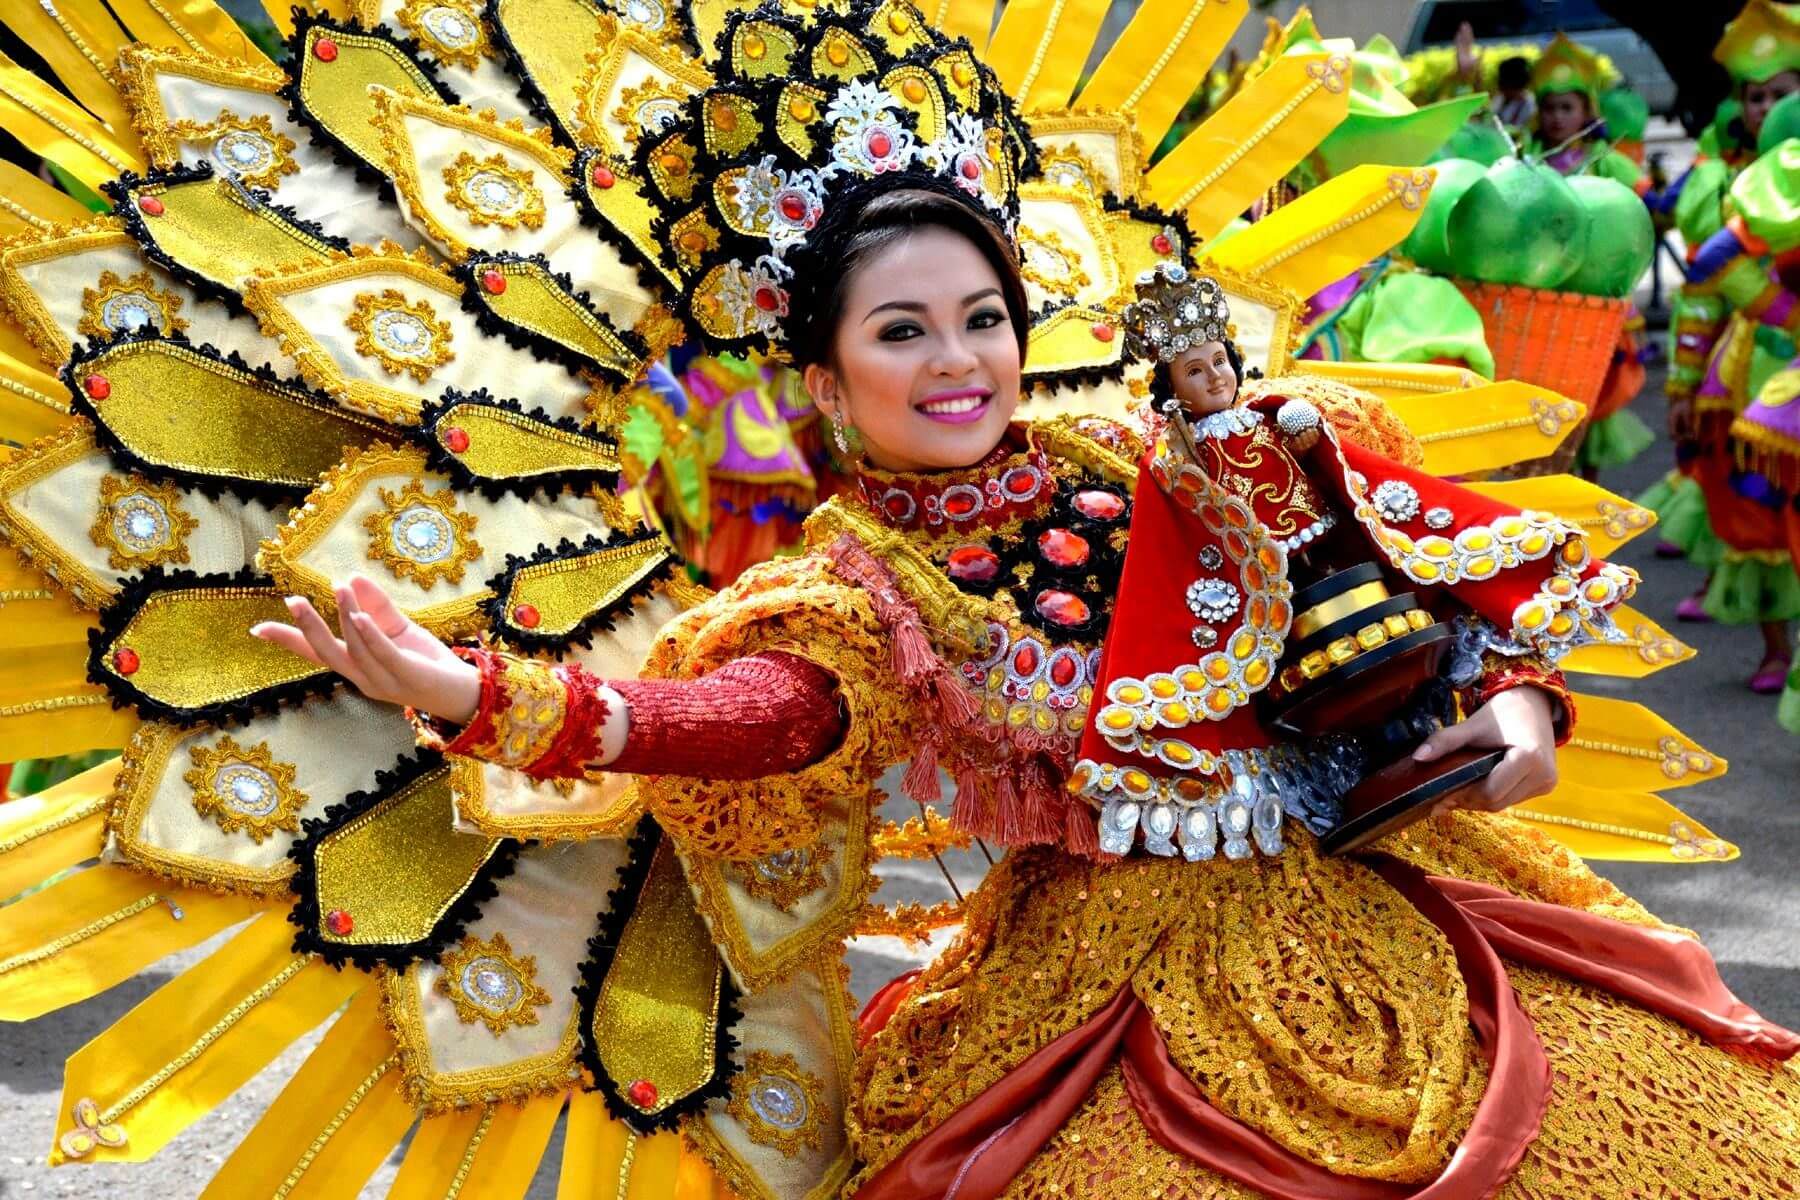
point(1175, 311)
point(806, 117)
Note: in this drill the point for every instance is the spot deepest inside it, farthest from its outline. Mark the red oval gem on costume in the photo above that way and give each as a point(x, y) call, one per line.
point(602, 176)
point(766, 299)
point(642, 1093)
point(793, 207)
point(961, 504)
point(456, 439)
point(126, 661)
point(98, 387)
point(1062, 608)
point(1101, 506)
point(339, 922)
point(1026, 660)
point(1064, 670)
point(897, 505)
point(526, 616)
point(974, 564)
point(1061, 548)
point(325, 50)
point(1021, 483)
point(150, 205)
point(1161, 244)
point(493, 282)
point(880, 144)
point(971, 168)
point(1103, 332)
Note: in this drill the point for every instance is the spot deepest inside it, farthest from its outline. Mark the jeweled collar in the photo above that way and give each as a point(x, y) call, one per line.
point(1012, 484)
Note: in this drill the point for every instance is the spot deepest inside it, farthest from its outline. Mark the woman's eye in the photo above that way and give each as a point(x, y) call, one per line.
point(901, 331)
point(987, 318)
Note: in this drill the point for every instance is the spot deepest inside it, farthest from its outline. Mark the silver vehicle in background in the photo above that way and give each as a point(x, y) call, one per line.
point(1537, 21)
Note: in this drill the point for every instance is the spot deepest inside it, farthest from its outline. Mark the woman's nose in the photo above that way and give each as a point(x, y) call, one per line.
point(954, 357)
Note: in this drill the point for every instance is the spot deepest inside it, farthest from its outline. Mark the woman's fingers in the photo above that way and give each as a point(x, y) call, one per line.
point(380, 647)
point(379, 605)
point(329, 650)
point(288, 638)
point(380, 681)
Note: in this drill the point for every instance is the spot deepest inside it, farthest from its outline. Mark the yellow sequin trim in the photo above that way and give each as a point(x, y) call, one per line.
point(422, 535)
point(243, 787)
point(487, 982)
point(141, 524)
point(139, 288)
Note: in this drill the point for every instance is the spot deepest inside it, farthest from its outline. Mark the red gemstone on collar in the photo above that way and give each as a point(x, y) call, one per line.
point(456, 439)
point(1101, 506)
point(1061, 548)
point(150, 205)
point(1065, 669)
point(98, 387)
point(325, 50)
point(603, 176)
point(1161, 244)
point(880, 144)
point(961, 504)
point(1062, 608)
point(526, 616)
point(338, 922)
point(126, 661)
point(1021, 483)
point(973, 564)
point(642, 1093)
point(1026, 660)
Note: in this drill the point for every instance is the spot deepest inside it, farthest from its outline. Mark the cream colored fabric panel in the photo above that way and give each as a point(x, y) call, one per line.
point(793, 1047)
point(509, 797)
point(620, 653)
point(508, 524)
point(547, 909)
point(810, 882)
point(1100, 150)
point(476, 360)
point(319, 191)
point(619, 123)
point(60, 282)
point(65, 504)
point(333, 747)
point(1255, 332)
point(486, 86)
point(1053, 229)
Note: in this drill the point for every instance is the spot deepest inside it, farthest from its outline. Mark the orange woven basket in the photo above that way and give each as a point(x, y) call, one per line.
point(1563, 341)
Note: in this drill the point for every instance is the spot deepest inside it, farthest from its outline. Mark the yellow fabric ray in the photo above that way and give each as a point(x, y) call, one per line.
point(1040, 47)
point(50, 124)
point(41, 619)
point(94, 929)
point(282, 14)
point(1619, 744)
point(490, 1152)
point(972, 19)
point(1617, 825)
point(55, 829)
point(1650, 649)
point(201, 1036)
point(196, 26)
point(1391, 381)
point(29, 204)
point(1608, 520)
point(15, 345)
point(79, 41)
point(1158, 61)
point(1487, 427)
point(598, 1151)
point(339, 1116)
point(1253, 140)
point(47, 707)
point(31, 402)
point(1332, 230)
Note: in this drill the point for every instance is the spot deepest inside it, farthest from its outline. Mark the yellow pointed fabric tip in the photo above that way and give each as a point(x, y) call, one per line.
point(97, 928)
point(1606, 519)
point(196, 26)
point(1040, 47)
point(1332, 230)
point(1489, 427)
point(33, 405)
point(1619, 744)
point(972, 19)
point(80, 42)
point(1618, 825)
point(1220, 168)
point(55, 829)
point(51, 125)
point(201, 1036)
point(603, 1160)
point(1650, 649)
point(1393, 381)
point(333, 1124)
point(491, 1152)
point(1158, 61)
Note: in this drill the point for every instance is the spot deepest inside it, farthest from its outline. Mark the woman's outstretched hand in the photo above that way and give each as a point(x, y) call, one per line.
point(1520, 721)
point(384, 654)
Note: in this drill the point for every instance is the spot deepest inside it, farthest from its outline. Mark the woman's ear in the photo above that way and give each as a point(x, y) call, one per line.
point(821, 384)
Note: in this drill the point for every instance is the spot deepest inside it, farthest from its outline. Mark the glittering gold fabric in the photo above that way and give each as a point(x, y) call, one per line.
point(1310, 1001)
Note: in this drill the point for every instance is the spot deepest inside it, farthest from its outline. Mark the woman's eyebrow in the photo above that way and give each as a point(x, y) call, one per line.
point(915, 306)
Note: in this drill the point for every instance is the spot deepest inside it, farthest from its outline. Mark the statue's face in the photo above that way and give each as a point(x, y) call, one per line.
point(1203, 378)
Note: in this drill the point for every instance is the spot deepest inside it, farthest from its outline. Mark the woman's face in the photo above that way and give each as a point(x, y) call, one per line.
point(926, 366)
point(1759, 98)
point(1203, 378)
point(1562, 115)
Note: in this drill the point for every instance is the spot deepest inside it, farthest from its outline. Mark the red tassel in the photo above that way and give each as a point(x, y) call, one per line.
point(1081, 832)
point(973, 810)
point(921, 780)
point(1009, 810)
point(914, 659)
point(1044, 806)
point(955, 702)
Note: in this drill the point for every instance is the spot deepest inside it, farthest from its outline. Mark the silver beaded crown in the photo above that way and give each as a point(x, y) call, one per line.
point(1175, 311)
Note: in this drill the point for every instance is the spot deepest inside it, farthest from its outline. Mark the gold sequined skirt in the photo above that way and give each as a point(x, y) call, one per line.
point(1307, 999)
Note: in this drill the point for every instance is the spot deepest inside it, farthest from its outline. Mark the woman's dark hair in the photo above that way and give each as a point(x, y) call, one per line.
point(1162, 382)
point(881, 221)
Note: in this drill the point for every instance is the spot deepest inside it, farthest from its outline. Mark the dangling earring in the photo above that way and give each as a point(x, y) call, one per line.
point(849, 442)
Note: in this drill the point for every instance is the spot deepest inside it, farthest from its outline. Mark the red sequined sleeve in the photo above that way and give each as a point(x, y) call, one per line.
point(765, 714)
